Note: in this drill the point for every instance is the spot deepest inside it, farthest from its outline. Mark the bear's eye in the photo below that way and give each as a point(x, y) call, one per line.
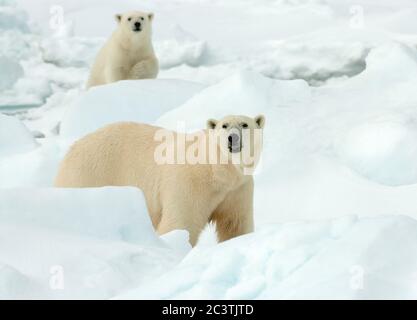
point(244, 125)
point(130, 19)
point(225, 126)
point(141, 18)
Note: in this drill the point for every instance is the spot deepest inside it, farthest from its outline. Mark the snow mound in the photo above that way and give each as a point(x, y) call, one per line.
point(53, 264)
point(378, 141)
point(209, 75)
point(16, 45)
point(391, 71)
point(12, 17)
point(340, 259)
point(312, 61)
point(182, 49)
point(12, 282)
point(105, 213)
point(77, 243)
point(173, 53)
point(392, 55)
point(383, 150)
point(178, 240)
point(11, 71)
point(70, 51)
point(246, 93)
point(14, 137)
point(140, 101)
point(36, 168)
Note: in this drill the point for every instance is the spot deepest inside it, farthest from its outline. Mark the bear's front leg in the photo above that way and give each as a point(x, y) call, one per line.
point(178, 214)
point(114, 73)
point(234, 216)
point(145, 69)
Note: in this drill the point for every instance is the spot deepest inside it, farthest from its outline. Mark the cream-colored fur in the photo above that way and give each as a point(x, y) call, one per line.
point(128, 54)
point(178, 196)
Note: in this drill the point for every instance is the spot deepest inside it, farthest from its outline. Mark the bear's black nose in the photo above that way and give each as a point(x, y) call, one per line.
point(234, 143)
point(234, 138)
point(137, 25)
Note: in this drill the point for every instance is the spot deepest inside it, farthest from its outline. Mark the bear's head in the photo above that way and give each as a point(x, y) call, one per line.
point(135, 23)
point(240, 138)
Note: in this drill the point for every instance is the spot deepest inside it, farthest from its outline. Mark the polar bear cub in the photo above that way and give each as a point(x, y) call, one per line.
point(129, 53)
point(185, 188)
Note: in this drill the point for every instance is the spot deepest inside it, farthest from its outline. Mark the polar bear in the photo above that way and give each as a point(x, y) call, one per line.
point(188, 180)
point(129, 53)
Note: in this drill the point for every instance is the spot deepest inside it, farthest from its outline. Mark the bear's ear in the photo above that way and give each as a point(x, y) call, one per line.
point(211, 124)
point(150, 16)
point(260, 121)
point(118, 17)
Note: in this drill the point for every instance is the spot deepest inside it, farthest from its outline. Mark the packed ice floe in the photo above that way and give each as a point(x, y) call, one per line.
point(335, 207)
point(346, 258)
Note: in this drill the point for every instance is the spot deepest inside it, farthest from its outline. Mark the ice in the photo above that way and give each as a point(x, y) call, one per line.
point(70, 51)
point(36, 168)
point(184, 49)
point(12, 17)
point(11, 71)
point(36, 67)
point(383, 150)
point(311, 60)
point(106, 213)
point(99, 241)
point(12, 282)
point(178, 240)
point(243, 93)
point(141, 101)
point(59, 265)
point(14, 137)
point(298, 261)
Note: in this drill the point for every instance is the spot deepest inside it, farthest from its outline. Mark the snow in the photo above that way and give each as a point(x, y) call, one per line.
point(251, 92)
point(56, 265)
point(184, 49)
point(11, 72)
point(106, 213)
point(142, 101)
point(87, 243)
point(12, 17)
point(177, 240)
point(347, 258)
point(383, 150)
point(14, 137)
point(335, 208)
point(70, 51)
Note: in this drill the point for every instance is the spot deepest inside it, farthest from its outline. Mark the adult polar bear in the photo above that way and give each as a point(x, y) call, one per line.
point(178, 195)
point(128, 54)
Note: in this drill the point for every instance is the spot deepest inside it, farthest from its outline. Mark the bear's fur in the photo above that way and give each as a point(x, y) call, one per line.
point(180, 195)
point(128, 54)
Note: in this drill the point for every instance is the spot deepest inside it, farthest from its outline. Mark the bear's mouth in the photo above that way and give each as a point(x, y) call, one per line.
point(137, 27)
point(234, 149)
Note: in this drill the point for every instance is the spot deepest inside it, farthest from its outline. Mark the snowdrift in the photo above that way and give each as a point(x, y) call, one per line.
point(141, 101)
point(104, 213)
point(347, 258)
point(72, 244)
point(14, 137)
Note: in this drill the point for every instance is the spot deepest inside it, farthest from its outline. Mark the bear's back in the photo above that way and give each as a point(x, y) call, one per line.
point(113, 155)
